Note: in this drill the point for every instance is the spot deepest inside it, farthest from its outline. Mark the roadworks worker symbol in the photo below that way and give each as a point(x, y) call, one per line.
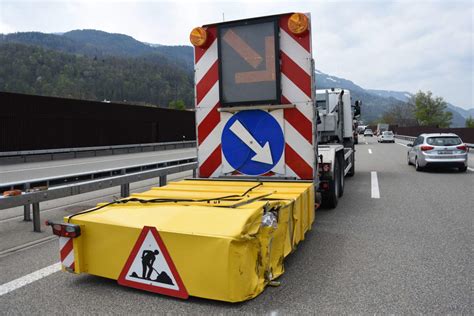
point(149, 267)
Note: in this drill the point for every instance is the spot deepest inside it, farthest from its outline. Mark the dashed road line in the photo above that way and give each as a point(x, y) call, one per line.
point(370, 151)
point(470, 169)
point(375, 192)
point(29, 278)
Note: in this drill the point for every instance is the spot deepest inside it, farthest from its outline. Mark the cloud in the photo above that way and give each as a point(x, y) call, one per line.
point(397, 45)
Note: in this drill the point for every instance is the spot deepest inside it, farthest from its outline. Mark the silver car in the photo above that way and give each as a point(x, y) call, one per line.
point(386, 137)
point(446, 150)
point(368, 132)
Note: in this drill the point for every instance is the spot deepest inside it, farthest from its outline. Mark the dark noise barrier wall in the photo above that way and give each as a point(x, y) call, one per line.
point(466, 134)
point(30, 122)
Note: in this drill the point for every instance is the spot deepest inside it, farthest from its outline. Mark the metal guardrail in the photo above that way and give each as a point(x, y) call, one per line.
point(411, 138)
point(45, 189)
point(403, 137)
point(82, 152)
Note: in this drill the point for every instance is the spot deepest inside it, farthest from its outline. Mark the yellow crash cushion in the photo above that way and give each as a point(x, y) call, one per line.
point(220, 248)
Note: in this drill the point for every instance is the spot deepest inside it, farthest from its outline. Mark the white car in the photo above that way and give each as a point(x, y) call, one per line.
point(368, 132)
point(386, 137)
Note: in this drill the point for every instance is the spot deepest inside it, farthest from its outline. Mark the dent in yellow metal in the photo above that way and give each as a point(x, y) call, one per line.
point(221, 252)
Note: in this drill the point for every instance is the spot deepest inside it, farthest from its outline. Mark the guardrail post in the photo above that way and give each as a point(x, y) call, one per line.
point(162, 180)
point(36, 218)
point(27, 208)
point(125, 190)
point(27, 213)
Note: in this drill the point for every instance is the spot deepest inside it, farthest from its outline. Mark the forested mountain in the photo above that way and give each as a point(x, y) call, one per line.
point(97, 65)
point(373, 105)
point(147, 80)
point(376, 102)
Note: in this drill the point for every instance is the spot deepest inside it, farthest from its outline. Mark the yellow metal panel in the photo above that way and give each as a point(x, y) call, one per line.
point(220, 251)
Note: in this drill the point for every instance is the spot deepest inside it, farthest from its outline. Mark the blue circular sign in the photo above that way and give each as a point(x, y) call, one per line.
point(252, 142)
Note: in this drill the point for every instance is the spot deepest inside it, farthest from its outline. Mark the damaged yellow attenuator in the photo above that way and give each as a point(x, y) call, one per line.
point(225, 249)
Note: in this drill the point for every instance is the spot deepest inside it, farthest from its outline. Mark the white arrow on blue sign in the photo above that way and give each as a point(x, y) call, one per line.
point(252, 142)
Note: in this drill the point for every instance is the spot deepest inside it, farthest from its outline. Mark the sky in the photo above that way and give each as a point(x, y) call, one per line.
point(391, 45)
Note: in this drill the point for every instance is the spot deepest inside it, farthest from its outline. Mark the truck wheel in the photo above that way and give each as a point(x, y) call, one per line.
point(330, 197)
point(342, 166)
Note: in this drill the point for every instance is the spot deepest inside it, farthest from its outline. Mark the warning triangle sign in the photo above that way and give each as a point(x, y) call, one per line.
point(149, 267)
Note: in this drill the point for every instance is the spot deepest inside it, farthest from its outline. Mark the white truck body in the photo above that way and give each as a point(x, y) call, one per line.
point(335, 142)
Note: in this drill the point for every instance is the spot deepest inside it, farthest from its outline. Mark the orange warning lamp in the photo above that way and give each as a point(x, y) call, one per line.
point(198, 37)
point(298, 23)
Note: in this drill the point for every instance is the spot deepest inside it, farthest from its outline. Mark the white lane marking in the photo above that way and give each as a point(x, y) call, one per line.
point(401, 144)
point(375, 185)
point(471, 169)
point(84, 163)
point(366, 143)
point(370, 151)
point(29, 278)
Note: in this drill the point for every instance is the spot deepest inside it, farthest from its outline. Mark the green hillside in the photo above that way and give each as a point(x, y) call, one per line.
point(150, 80)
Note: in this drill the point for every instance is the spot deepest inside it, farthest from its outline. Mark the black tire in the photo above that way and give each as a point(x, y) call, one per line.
point(330, 197)
point(417, 166)
point(342, 166)
point(462, 169)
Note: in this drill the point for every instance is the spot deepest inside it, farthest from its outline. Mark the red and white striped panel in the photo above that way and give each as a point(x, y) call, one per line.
point(296, 83)
point(206, 78)
point(66, 252)
point(296, 86)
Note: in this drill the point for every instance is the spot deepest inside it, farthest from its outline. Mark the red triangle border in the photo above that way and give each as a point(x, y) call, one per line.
point(181, 293)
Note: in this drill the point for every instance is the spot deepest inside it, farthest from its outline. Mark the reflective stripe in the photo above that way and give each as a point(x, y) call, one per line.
point(206, 62)
point(66, 251)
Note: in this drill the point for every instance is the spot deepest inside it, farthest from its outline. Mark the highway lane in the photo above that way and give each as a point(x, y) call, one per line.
point(408, 251)
point(26, 171)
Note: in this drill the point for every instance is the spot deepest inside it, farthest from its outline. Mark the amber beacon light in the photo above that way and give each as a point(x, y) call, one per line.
point(298, 23)
point(198, 37)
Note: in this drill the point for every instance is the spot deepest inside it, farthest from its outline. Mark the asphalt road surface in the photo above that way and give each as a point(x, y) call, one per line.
point(407, 251)
point(36, 170)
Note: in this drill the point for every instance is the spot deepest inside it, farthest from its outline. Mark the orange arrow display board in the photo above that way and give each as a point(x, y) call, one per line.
point(149, 267)
point(243, 49)
point(253, 58)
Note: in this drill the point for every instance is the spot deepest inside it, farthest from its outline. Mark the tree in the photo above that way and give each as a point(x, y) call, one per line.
point(430, 110)
point(470, 122)
point(177, 105)
point(401, 114)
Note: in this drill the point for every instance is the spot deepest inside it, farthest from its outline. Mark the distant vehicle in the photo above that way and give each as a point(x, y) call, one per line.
point(386, 137)
point(361, 129)
point(368, 132)
point(381, 127)
point(440, 149)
